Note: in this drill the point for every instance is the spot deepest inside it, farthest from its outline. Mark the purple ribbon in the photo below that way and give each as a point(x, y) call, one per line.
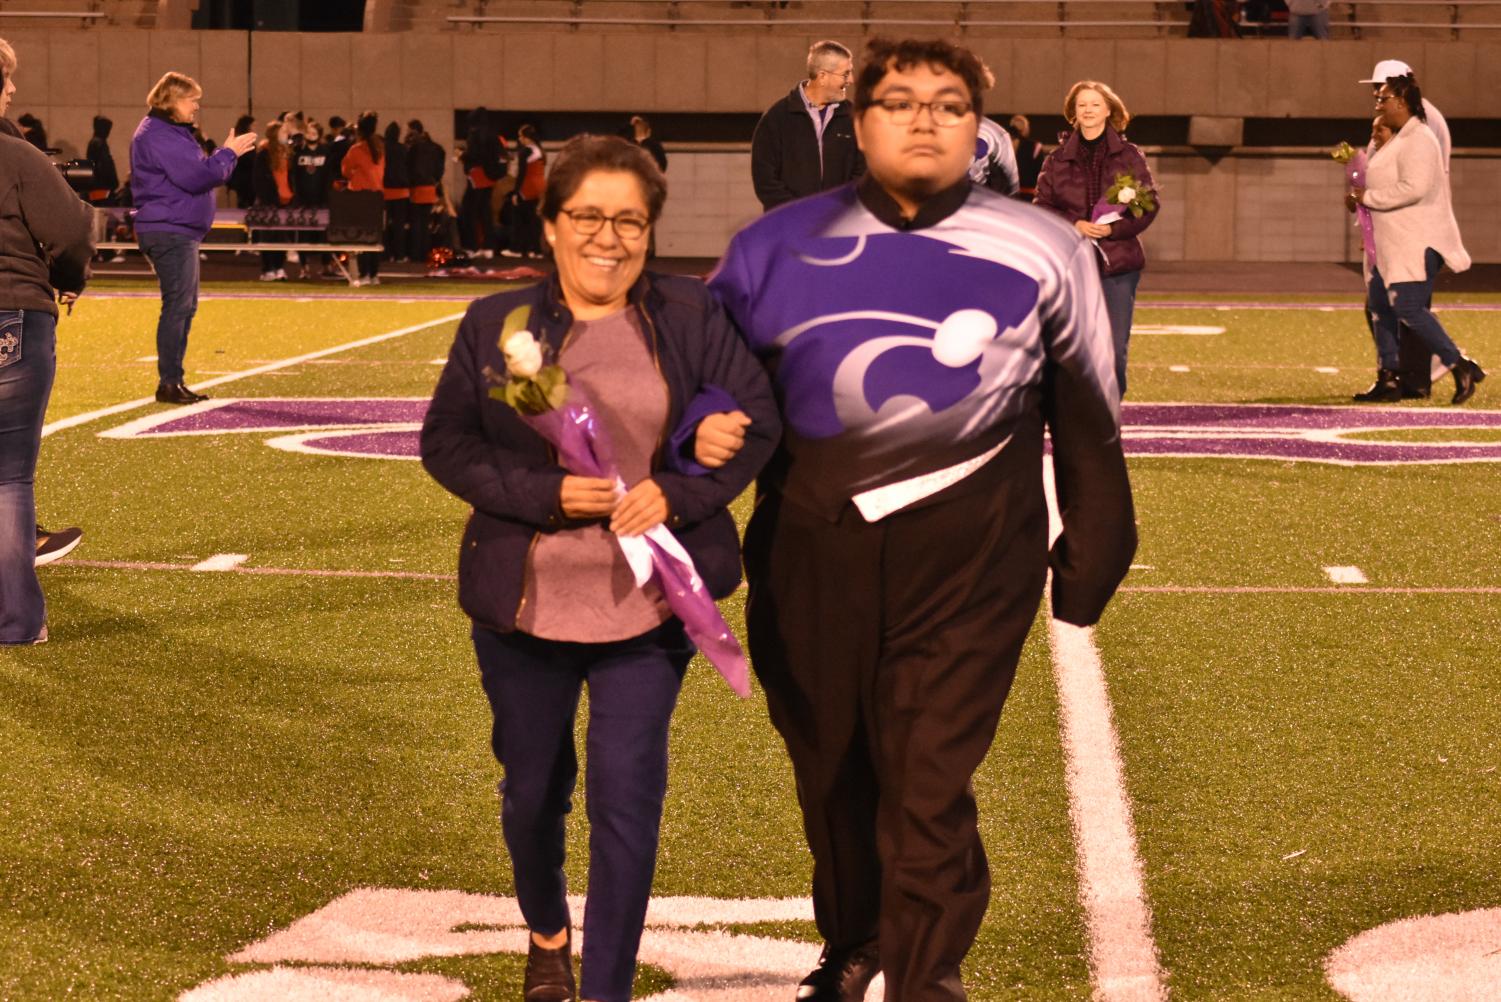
point(584, 449)
point(1355, 174)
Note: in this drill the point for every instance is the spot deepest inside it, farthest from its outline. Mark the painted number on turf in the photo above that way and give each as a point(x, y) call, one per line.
point(379, 928)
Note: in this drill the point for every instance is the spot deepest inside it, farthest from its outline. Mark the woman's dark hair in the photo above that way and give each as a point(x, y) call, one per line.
point(583, 155)
point(102, 126)
point(526, 132)
point(366, 129)
point(393, 132)
point(1406, 90)
point(884, 54)
point(244, 124)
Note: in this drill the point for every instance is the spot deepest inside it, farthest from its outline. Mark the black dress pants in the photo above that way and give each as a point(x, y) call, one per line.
point(886, 651)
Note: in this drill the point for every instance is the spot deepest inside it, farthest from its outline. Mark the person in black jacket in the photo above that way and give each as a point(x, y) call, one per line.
point(106, 177)
point(311, 180)
point(541, 574)
point(241, 179)
point(805, 143)
point(397, 181)
point(484, 161)
point(425, 162)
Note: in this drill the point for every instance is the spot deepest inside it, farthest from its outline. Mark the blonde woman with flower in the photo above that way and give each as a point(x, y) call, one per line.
point(690, 419)
point(1100, 182)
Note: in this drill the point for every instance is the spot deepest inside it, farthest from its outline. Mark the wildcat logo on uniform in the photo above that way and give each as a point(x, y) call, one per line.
point(858, 351)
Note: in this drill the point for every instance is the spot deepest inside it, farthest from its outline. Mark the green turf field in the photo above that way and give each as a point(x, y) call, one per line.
point(197, 760)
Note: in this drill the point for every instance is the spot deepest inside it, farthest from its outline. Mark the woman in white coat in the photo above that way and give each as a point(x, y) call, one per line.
point(1416, 235)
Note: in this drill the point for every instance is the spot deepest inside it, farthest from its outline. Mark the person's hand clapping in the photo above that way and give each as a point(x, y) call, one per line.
point(1093, 231)
point(719, 437)
point(242, 143)
point(586, 497)
point(642, 507)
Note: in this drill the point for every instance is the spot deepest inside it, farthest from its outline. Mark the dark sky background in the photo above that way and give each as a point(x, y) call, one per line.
point(281, 15)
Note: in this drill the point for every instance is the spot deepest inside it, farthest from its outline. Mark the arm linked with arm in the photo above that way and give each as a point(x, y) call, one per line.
point(729, 365)
point(1081, 406)
point(1419, 168)
point(493, 479)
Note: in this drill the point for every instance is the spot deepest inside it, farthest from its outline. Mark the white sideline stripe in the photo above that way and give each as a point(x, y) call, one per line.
point(1346, 575)
point(1177, 368)
point(1122, 955)
point(221, 562)
point(130, 405)
point(146, 358)
point(1327, 370)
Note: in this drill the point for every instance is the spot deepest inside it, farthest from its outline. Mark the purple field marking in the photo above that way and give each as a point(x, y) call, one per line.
point(1191, 304)
point(273, 413)
point(139, 565)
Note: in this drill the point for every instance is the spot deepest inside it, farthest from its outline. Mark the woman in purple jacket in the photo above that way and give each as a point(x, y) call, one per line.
point(553, 602)
point(1073, 179)
point(172, 182)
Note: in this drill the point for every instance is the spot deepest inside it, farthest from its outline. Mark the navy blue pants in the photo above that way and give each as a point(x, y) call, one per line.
point(175, 258)
point(1408, 303)
point(28, 360)
point(533, 686)
point(1120, 303)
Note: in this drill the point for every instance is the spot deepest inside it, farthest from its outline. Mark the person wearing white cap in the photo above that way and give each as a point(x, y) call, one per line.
point(1389, 68)
point(1415, 236)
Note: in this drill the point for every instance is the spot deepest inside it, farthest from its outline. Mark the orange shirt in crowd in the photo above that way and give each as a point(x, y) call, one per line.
point(362, 170)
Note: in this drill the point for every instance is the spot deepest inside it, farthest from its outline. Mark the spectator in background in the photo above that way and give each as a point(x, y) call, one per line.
point(1415, 235)
point(273, 189)
point(484, 161)
point(242, 178)
point(364, 170)
point(526, 226)
point(1074, 178)
point(172, 182)
point(106, 176)
point(1029, 156)
point(1308, 19)
point(311, 179)
point(994, 164)
point(34, 132)
point(642, 137)
point(340, 139)
point(805, 143)
point(396, 182)
point(425, 162)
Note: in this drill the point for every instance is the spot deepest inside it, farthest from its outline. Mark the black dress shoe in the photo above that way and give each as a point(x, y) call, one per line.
point(1385, 390)
point(841, 975)
point(1467, 375)
point(1415, 392)
point(177, 393)
point(549, 973)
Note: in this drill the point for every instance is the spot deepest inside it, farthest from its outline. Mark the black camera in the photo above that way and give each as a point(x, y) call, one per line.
point(80, 175)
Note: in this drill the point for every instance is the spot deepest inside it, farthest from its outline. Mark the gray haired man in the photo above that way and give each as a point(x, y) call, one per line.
point(805, 143)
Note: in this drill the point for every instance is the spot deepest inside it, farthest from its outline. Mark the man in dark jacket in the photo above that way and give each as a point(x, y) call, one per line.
point(45, 247)
point(106, 176)
point(805, 143)
point(426, 161)
point(921, 332)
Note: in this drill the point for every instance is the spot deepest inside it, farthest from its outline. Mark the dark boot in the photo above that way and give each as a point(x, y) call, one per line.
point(841, 975)
point(549, 973)
point(1467, 375)
point(1385, 390)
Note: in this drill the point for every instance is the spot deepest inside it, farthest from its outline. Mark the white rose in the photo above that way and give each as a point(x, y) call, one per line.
point(1126, 196)
point(523, 354)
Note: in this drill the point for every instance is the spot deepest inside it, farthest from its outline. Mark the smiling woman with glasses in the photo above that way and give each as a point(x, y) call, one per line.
point(690, 419)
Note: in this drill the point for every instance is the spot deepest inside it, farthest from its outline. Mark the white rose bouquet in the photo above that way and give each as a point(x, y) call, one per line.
point(1126, 195)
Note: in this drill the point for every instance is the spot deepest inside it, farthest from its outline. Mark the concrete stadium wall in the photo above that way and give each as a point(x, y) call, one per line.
point(1286, 206)
point(1237, 207)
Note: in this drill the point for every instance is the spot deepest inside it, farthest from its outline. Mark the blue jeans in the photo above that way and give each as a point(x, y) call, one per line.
point(533, 686)
point(175, 258)
point(28, 360)
point(1407, 303)
point(1308, 25)
point(1120, 303)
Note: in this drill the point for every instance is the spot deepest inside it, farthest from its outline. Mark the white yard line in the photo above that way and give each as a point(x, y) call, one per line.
point(259, 370)
point(221, 562)
point(1122, 954)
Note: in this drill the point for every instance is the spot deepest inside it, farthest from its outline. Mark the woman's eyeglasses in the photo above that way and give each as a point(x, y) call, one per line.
point(590, 221)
